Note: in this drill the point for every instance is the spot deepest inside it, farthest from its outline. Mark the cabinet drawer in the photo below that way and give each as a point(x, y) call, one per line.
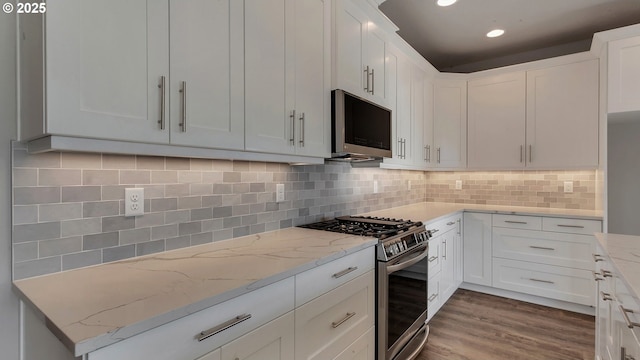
point(434, 258)
point(573, 226)
point(328, 324)
point(573, 251)
point(313, 283)
point(555, 282)
point(518, 221)
point(361, 349)
point(177, 340)
point(442, 226)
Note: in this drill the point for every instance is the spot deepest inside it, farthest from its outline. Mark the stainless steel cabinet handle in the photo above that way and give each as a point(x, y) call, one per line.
point(530, 153)
point(451, 223)
point(301, 129)
point(459, 226)
point(571, 226)
point(606, 273)
point(222, 327)
point(366, 75)
point(597, 257)
point(596, 276)
point(438, 150)
point(349, 315)
point(425, 154)
point(625, 315)
point(163, 95)
point(515, 222)
point(373, 82)
point(444, 251)
point(344, 272)
point(292, 116)
point(541, 247)
point(542, 281)
point(433, 258)
point(605, 296)
point(404, 148)
point(183, 90)
point(429, 153)
point(521, 153)
point(433, 297)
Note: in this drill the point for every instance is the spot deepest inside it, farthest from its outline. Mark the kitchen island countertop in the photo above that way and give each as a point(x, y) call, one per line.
point(624, 253)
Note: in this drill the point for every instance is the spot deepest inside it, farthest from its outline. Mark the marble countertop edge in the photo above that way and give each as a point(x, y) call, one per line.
point(624, 253)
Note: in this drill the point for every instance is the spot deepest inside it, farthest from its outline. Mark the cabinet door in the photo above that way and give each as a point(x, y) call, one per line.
point(375, 60)
point(497, 122)
point(362, 349)
point(562, 116)
point(418, 79)
point(205, 38)
point(269, 75)
point(427, 130)
point(476, 249)
point(214, 355)
point(624, 75)
point(458, 236)
point(312, 77)
point(351, 40)
point(450, 123)
point(102, 79)
point(447, 274)
point(403, 125)
point(272, 341)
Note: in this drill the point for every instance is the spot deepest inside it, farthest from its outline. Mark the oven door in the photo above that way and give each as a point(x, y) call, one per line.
point(402, 301)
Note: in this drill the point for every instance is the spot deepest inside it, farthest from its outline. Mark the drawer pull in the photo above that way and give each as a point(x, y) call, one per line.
point(433, 258)
point(542, 281)
point(607, 273)
point(597, 257)
point(222, 327)
point(571, 226)
point(347, 317)
point(625, 315)
point(596, 276)
point(515, 222)
point(605, 296)
point(344, 272)
point(542, 248)
point(433, 297)
point(451, 223)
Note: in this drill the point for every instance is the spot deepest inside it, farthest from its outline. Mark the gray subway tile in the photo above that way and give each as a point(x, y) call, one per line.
point(272, 206)
point(114, 223)
point(222, 165)
point(113, 192)
point(59, 177)
point(232, 199)
point(241, 166)
point(179, 216)
point(241, 188)
point(118, 253)
point(61, 246)
point(241, 231)
point(35, 232)
point(135, 236)
point(190, 228)
point(164, 177)
point(223, 188)
point(135, 177)
point(80, 227)
point(153, 191)
point(58, 212)
point(115, 161)
point(189, 177)
point(214, 224)
point(81, 160)
point(81, 259)
point(31, 268)
point(241, 210)
point(25, 214)
point(22, 159)
point(150, 219)
point(35, 195)
point(99, 241)
point(211, 177)
point(249, 198)
point(231, 222)
point(164, 231)
point(100, 208)
point(190, 202)
point(286, 223)
point(222, 211)
point(222, 234)
point(248, 177)
point(151, 247)
point(150, 162)
point(257, 228)
point(166, 204)
point(100, 177)
point(201, 164)
point(211, 201)
point(250, 220)
point(201, 189)
point(25, 251)
point(172, 163)
point(176, 190)
point(178, 242)
point(202, 214)
point(25, 177)
point(202, 238)
point(81, 193)
point(231, 177)
point(257, 187)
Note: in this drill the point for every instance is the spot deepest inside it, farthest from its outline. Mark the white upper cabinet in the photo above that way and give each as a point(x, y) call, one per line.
point(360, 53)
point(624, 75)
point(496, 124)
point(100, 80)
point(449, 123)
point(287, 76)
point(206, 74)
point(562, 116)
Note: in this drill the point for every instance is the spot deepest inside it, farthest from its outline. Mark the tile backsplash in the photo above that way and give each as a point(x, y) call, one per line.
point(515, 188)
point(68, 208)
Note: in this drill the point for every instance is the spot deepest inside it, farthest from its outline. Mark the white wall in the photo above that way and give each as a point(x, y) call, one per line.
point(623, 177)
point(9, 310)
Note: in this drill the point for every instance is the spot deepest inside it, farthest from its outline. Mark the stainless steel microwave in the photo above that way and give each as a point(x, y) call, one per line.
point(360, 129)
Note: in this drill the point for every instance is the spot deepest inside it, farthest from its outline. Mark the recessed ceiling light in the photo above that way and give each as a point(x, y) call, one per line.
point(446, 2)
point(495, 33)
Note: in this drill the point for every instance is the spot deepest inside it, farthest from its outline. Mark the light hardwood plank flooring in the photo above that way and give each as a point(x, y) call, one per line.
point(476, 326)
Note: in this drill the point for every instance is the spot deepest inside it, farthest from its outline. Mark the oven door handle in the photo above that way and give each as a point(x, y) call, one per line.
point(399, 264)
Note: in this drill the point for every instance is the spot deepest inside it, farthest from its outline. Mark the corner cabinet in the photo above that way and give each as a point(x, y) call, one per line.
point(624, 75)
point(449, 148)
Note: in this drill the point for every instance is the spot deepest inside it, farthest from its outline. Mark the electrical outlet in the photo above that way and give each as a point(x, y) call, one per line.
point(133, 201)
point(408, 184)
point(568, 186)
point(375, 186)
point(458, 184)
point(279, 192)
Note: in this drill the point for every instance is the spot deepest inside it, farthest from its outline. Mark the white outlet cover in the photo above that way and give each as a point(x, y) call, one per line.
point(458, 184)
point(375, 186)
point(133, 201)
point(568, 186)
point(279, 192)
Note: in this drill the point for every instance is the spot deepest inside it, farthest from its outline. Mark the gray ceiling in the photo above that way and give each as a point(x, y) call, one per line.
point(453, 38)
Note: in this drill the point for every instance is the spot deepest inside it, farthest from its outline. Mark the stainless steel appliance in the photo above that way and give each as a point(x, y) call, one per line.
point(401, 281)
point(360, 129)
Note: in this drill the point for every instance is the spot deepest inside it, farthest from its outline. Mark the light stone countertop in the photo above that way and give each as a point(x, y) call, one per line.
point(624, 252)
point(96, 306)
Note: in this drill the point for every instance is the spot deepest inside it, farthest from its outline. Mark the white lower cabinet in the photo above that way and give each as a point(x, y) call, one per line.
point(476, 249)
point(361, 349)
point(273, 341)
point(214, 355)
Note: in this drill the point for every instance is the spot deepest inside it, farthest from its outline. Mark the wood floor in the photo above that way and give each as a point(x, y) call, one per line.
point(475, 326)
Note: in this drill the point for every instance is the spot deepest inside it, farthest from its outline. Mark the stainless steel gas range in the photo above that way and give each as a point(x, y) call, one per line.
point(401, 274)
